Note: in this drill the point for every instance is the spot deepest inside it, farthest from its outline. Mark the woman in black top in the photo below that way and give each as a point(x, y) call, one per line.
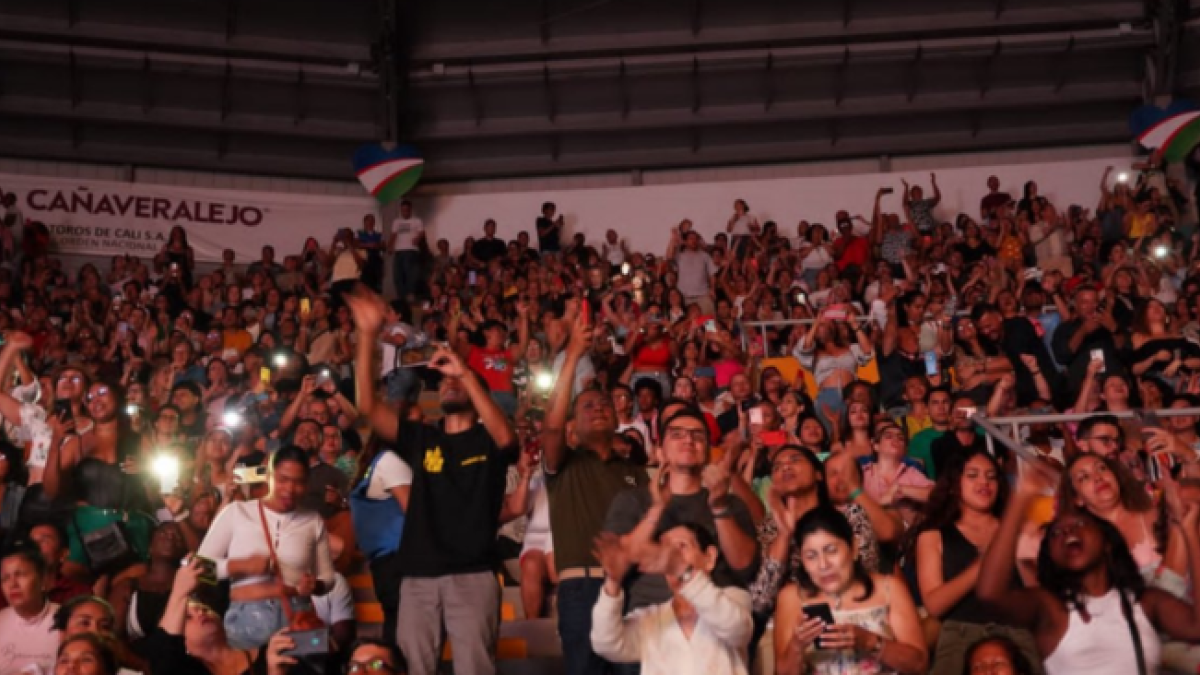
point(974, 247)
point(961, 518)
point(178, 254)
point(140, 602)
point(1159, 349)
point(190, 639)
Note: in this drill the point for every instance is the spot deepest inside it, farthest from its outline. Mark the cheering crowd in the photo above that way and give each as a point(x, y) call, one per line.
point(760, 442)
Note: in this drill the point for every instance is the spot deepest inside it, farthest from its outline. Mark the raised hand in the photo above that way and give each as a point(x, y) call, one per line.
point(582, 334)
point(612, 556)
point(446, 362)
point(717, 480)
point(367, 309)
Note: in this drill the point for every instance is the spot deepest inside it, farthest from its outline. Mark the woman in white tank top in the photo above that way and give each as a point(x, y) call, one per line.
point(1092, 612)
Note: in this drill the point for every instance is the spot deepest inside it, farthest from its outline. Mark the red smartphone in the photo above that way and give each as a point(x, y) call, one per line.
point(772, 438)
point(585, 310)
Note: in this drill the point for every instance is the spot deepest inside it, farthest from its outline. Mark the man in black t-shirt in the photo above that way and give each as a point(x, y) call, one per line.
point(448, 552)
point(489, 248)
point(549, 229)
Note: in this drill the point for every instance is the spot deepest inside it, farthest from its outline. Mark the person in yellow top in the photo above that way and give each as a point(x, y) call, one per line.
point(1010, 244)
point(233, 336)
point(1141, 222)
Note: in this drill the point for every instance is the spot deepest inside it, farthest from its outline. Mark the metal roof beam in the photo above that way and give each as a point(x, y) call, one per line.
point(1050, 42)
point(930, 102)
point(977, 21)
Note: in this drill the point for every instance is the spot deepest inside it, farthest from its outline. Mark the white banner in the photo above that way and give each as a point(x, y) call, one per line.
point(92, 217)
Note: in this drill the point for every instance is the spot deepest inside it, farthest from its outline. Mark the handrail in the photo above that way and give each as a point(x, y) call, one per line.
point(764, 325)
point(991, 425)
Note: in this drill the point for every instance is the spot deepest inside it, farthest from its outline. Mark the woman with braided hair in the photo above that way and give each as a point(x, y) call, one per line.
point(1092, 611)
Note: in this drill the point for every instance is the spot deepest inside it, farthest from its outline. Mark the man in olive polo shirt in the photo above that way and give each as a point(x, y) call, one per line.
point(582, 483)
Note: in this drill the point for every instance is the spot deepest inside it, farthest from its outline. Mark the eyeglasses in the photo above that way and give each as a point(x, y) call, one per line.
point(372, 666)
point(100, 391)
point(683, 434)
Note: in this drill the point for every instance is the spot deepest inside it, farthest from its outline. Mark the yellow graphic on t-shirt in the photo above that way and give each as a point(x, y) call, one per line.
point(434, 460)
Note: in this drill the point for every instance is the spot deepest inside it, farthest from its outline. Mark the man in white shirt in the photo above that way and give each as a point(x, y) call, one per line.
point(614, 249)
point(696, 271)
point(407, 233)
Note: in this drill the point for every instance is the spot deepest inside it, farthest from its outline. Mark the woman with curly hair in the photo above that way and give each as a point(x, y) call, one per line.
point(1091, 612)
point(1106, 489)
point(944, 550)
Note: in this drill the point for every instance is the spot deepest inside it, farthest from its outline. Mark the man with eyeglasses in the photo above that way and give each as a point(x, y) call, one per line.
point(700, 494)
point(961, 440)
point(581, 483)
point(1100, 435)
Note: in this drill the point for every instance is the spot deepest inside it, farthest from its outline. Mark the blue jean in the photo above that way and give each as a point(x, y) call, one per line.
point(829, 398)
point(507, 402)
point(402, 384)
point(249, 625)
point(576, 598)
point(406, 272)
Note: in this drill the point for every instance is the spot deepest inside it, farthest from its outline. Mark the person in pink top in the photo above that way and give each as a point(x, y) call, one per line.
point(28, 641)
point(891, 479)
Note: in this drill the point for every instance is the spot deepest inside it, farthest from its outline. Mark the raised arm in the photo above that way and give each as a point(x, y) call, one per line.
point(554, 428)
point(368, 311)
point(1024, 608)
point(450, 364)
point(1179, 619)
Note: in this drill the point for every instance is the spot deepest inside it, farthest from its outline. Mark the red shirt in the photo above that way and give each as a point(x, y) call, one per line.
point(853, 252)
point(494, 366)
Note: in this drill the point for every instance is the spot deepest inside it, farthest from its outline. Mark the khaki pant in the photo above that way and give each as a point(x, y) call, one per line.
point(468, 605)
point(957, 637)
point(705, 303)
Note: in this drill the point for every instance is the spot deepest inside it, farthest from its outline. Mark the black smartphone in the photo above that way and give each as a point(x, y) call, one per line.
point(822, 611)
point(62, 409)
point(208, 571)
point(309, 642)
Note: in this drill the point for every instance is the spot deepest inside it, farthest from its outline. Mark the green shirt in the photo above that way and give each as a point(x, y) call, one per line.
point(580, 494)
point(920, 449)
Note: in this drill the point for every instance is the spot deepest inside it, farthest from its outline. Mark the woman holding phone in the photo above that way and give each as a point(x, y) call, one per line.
point(853, 621)
point(833, 359)
point(269, 547)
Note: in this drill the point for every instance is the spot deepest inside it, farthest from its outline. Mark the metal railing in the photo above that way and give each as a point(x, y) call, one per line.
point(762, 326)
point(992, 427)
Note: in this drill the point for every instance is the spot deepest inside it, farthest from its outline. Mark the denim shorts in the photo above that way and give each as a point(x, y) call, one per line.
point(249, 625)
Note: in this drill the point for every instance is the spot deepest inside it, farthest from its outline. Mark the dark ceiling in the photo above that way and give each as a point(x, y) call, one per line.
point(532, 87)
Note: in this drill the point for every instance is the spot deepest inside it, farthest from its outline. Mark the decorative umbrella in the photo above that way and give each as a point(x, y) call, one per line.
point(1174, 137)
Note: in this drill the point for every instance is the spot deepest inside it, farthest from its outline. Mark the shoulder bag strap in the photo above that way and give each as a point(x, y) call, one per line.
point(284, 600)
point(1134, 633)
point(82, 545)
